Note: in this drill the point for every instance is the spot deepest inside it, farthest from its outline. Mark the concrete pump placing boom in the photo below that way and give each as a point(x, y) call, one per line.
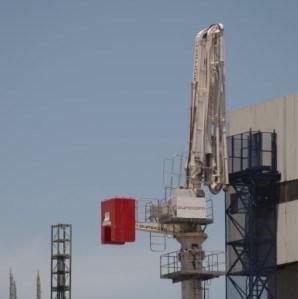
point(185, 211)
point(207, 156)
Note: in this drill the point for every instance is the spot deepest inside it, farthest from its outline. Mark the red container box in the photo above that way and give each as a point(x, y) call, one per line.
point(118, 221)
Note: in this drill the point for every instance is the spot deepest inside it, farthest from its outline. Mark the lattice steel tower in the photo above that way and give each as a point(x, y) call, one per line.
point(12, 286)
point(61, 240)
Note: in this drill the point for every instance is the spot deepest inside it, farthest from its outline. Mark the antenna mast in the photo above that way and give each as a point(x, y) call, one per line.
point(38, 286)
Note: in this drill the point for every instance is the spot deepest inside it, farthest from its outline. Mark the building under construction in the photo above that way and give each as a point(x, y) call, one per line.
point(262, 204)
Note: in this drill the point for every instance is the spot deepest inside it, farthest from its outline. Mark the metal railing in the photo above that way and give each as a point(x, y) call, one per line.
point(252, 150)
point(204, 262)
point(173, 175)
point(146, 210)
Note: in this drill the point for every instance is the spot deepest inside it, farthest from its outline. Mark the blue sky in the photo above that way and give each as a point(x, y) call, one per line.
point(93, 96)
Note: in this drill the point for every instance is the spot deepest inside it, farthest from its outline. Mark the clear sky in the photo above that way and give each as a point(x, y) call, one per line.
point(93, 96)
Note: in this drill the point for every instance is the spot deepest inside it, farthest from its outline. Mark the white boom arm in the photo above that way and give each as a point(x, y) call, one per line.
point(207, 157)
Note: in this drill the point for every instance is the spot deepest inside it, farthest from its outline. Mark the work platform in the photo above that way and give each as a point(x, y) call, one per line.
point(196, 265)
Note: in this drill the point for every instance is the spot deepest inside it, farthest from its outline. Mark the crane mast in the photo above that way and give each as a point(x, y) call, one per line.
point(207, 154)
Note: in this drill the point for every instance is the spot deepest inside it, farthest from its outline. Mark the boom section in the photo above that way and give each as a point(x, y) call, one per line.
point(207, 156)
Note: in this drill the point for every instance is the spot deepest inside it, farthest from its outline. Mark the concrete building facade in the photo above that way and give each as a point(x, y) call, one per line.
point(279, 115)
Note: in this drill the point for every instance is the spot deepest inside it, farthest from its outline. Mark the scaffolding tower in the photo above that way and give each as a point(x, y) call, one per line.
point(251, 216)
point(61, 242)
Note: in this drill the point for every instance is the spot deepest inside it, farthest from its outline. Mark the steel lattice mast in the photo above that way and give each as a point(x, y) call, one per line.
point(61, 241)
point(12, 286)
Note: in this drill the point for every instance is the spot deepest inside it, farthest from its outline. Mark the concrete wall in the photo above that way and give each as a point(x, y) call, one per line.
point(287, 233)
point(280, 115)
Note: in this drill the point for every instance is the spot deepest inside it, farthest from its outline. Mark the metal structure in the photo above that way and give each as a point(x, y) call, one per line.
point(183, 214)
point(12, 286)
point(279, 114)
point(191, 265)
point(207, 153)
point(251, 217)
point(61, 248)
point(38, 286)
point(208, 264)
